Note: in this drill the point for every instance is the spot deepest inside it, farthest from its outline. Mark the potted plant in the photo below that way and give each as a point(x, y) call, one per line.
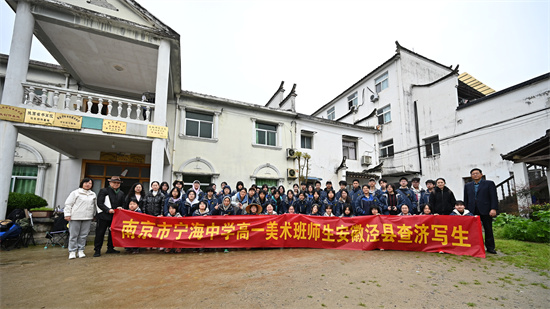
point(41, 212)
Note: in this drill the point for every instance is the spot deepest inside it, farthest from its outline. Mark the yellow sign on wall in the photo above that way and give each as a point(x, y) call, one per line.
point(113, 126)
point(12, 113)
point(67, 121)
point(157, 131)
point(39, 117)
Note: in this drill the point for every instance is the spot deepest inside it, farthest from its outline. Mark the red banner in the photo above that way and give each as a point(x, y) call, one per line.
point(450, 234)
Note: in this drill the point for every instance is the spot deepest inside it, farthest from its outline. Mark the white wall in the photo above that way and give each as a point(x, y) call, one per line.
point(232, 155)
point(327, 152)
point(481, 132)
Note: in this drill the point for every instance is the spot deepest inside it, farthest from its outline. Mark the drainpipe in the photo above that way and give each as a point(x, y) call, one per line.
point(56, 180)
point(417, 131)
point(176, 134)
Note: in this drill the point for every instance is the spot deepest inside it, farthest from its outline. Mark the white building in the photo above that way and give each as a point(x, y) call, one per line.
point(433, 124)
point(226, 140)
point(113, 52)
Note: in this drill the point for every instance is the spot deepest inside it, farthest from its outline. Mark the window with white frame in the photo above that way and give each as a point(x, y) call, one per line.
point(331, 115)
point(381, 82)
point(266, 134)
point(352, 100)
point(386, 149)
point(199, 124)
point(432, 146)
point(349, 149)
point(23, 179)
point(306, 141)
point(384, 114)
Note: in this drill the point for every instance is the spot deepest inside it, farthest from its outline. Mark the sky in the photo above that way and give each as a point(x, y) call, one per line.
point(242, 50)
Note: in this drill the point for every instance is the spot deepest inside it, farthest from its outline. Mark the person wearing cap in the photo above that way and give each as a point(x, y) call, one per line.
point(253, 209)
point(108, 199)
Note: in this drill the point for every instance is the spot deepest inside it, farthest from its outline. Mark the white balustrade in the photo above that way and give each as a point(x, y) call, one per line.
point(81, 102)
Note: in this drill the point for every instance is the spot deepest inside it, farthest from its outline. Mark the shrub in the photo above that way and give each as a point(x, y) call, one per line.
point(24, 201)
point(519, 228)
point(537, 207)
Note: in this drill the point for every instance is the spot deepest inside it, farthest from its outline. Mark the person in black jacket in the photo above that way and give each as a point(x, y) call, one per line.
point(108, 200)
point(153, 203)
point(480, 198)
point(442, 200)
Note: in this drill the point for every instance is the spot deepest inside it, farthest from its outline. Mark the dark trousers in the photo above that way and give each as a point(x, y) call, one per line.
point(101, 228)
point(487, 222)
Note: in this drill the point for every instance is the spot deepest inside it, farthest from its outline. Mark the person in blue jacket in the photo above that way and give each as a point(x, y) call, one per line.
point(319, 201)
point(225, 192)
point(366, 202)
point(356, 192)
point(408, 195)
point(382, 190)
point(302, 204)
point(210, 198)
point(330, 200)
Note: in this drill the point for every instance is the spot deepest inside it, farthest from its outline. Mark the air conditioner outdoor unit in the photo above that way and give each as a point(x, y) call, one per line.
point(374, 97)
point(366, 160)
point(290, 153)
point(292, 173)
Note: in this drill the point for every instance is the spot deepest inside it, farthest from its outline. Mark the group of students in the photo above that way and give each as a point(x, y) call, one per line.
point(387, 199)
point(82, 205)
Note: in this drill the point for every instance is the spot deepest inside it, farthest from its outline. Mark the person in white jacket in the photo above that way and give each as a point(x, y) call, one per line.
point(80, 208)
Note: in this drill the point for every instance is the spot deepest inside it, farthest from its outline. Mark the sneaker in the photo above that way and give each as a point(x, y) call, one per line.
point(97, 253)
point(135, 251)
point(226, 251)
point(81, 254)
point(72, 255)
point(111, 251)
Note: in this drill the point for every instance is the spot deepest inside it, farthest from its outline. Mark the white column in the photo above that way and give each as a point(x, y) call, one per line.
point(20, 51)
point(161, 102)
point(521, 180)
point(163, 76)
point(40, 180)
point(16, 73)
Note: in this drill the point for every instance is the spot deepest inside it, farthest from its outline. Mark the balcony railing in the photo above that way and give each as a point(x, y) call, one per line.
point(83, 103)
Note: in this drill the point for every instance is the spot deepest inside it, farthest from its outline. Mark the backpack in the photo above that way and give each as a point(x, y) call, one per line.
point(17, 214)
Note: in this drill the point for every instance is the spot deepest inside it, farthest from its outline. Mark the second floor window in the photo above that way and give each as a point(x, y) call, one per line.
point(266, 134)
point(352, 100)
point(432, 146)
point(349, 149)
point(384, 115)
point(386, 149)
point(198, 124)
point(306, 141)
